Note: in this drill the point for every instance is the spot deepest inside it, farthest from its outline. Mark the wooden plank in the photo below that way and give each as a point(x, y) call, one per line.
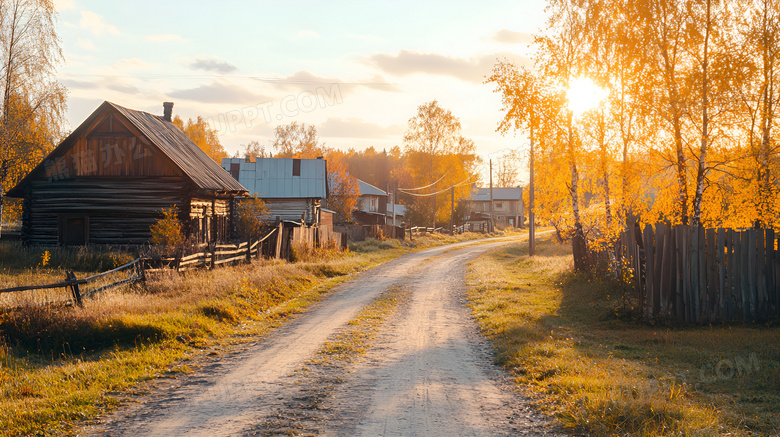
point(649, 272)
point(666, 271)
point(751, 272)
point(771, 274)
point(693, 272)
point(700, 299)
point(720, 251)
point(760, 273)
point(738, 274)
point(743, 269)
point(660, 236)
point(730, 274)
point(681, 283)
point(712, 276)
point(193, 256)
point(229, 260)
point(74, 287)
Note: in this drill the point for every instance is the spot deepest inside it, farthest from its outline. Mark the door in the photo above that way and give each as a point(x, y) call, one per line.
point(74, 230)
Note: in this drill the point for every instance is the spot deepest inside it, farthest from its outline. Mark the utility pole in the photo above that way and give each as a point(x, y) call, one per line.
point(452, 210)
point(492, 224)
point(395, 194)
point(531, 219)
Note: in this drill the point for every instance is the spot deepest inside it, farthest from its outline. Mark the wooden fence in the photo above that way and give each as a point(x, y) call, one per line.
point(80, 288)
point(276, 243)
point(698, 275)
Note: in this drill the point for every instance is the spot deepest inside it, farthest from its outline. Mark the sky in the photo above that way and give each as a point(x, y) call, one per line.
point(356, 70)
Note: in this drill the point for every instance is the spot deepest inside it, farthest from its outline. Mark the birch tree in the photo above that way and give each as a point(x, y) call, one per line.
point(33, 102)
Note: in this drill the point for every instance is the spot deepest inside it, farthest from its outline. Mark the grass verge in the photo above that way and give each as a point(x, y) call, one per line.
point(61, 366)
point(576, 346)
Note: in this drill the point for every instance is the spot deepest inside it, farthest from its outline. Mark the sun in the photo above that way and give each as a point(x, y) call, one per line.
point(584, 95)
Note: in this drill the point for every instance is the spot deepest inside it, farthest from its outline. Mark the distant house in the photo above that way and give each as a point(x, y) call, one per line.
point(400, 214)
point(291, 188)
point(507, 206)
point(109, 180)
point(371, 205)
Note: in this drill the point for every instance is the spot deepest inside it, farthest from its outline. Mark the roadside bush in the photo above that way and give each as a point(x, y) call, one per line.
point(167, 231)
point(249, 217)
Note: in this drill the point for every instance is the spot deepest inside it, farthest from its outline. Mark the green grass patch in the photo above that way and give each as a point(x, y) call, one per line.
point(579, 347)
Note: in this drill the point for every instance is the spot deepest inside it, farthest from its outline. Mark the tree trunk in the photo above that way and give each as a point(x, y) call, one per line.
point(579, 246)
point(702, 163)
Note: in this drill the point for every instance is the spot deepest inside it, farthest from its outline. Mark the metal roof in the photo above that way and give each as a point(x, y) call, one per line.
point(399, 209)
point(273, 178)
point(367, 189)
point(483, 194)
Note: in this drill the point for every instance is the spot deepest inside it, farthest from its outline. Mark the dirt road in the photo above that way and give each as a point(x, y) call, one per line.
point(428, 373)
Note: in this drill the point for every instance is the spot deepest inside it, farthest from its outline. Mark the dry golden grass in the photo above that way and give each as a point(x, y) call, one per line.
point(600, 371)
point(59, 366)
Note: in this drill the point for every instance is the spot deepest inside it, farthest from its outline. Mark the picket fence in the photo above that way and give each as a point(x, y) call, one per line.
point(697, 275)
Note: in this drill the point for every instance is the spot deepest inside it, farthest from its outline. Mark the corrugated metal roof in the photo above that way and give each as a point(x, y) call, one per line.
point(483, 194)
point(273, 177)
point(174, 143)
point(399, 209)
point(367, 189)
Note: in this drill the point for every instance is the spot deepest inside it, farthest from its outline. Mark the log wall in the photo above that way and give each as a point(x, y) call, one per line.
point(120, 212)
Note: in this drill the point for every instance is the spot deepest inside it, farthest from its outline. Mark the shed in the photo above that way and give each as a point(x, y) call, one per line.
point(290, 188)
point(109, 180)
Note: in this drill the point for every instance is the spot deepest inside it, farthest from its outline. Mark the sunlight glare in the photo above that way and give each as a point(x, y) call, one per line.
point(584, 95)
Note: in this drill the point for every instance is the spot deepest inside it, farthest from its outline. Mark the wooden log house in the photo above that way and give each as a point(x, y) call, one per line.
point(109, 181)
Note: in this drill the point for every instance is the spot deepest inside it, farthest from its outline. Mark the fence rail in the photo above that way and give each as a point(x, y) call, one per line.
point(75, 285)
point(275, 243)
point(698, 275)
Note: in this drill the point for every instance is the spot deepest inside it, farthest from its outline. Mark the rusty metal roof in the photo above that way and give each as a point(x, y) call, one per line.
point(174, 143)
point(206, 174)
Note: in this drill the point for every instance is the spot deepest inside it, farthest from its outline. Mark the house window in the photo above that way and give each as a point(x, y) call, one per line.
point(235, 169)
point(296, 167)
point(499, 205)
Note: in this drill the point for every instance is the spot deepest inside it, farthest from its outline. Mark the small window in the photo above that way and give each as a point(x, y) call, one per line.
point(74, 230)
point(296, 167)
point(499, 205)
point(235, 169)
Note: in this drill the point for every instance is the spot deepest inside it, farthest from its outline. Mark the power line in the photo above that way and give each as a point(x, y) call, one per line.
point(465, 182)
point(427, 186)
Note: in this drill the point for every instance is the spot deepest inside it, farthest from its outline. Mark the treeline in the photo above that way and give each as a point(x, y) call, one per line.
point(436, 161)
point(688, 131)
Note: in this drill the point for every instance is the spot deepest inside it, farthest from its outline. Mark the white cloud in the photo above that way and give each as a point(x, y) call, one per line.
point(474, 69)
point(96, 24)
point(304, 34)
point(85, 44)
point(507, 36)
point(166, 37)
point(212, 64)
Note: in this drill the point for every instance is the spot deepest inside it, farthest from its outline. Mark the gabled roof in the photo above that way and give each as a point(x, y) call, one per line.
point(367, 189)
point(206, 174)
point(272, 178)
point(483, 194)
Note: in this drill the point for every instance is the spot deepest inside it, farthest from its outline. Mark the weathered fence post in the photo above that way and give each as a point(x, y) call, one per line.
point(249, 251)
point(74, 288)
point(213, 252)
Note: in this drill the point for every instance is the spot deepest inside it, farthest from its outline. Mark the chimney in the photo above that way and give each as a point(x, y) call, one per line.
point(167, 110)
